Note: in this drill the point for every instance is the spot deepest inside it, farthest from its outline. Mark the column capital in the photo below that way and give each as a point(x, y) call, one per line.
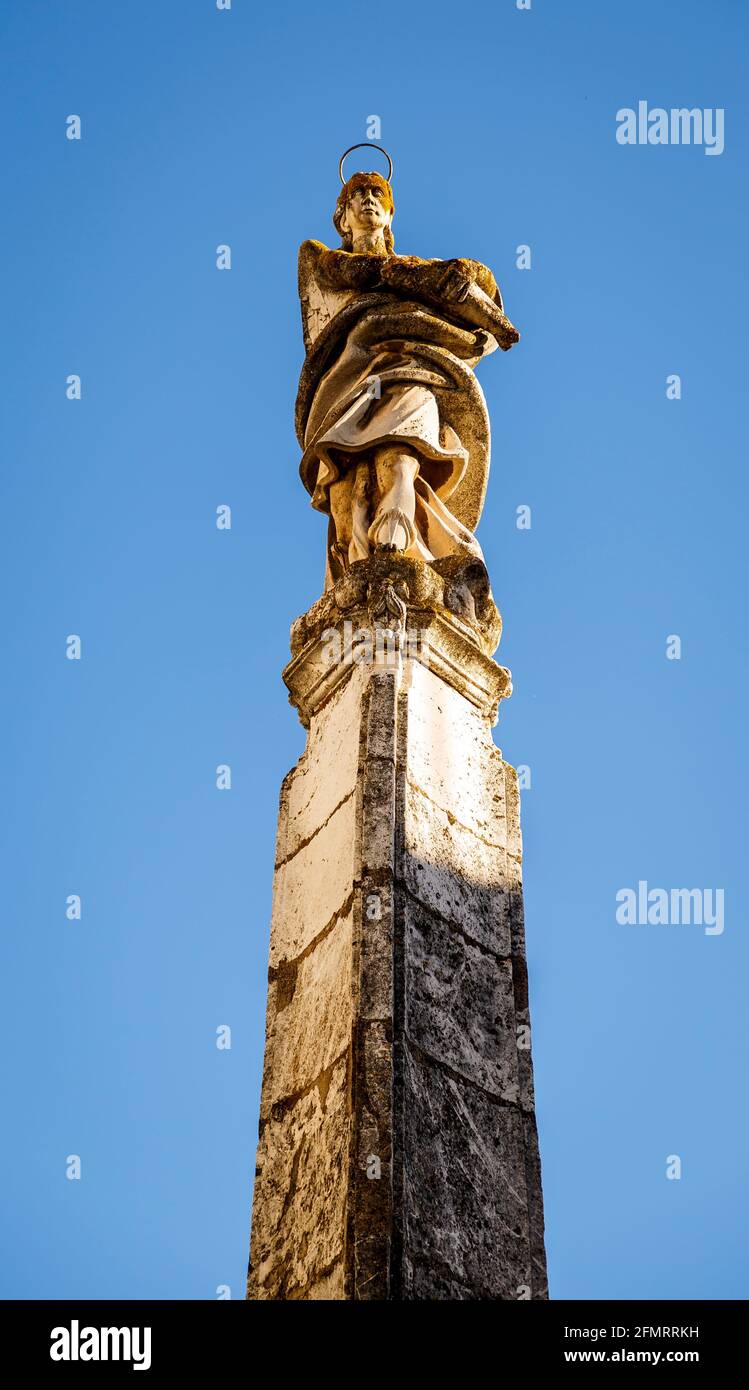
point(389, 609)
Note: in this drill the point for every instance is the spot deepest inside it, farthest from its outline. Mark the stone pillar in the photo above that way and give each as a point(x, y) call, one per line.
point(398, 1156)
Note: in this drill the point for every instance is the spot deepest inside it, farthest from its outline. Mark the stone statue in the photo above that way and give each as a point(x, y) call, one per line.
point(390, 416)
point(397, 926)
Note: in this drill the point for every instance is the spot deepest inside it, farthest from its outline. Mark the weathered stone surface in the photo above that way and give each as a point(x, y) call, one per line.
point(451, 871)
point(329, 1288)
point(302, 1165)
point(398, 1156)
point(377, 829)
point(371, 1224)
point(459, 1004)
point(465, 1208)
point(371, 1227)
point(539, 1281)
point(432, 1284)
point(313, 1012)
point(523, 1030)
point(375, 1001)
point(452, 758)
point(452, 642)
point(320, 783)
point(514, 836)
point(314, 885)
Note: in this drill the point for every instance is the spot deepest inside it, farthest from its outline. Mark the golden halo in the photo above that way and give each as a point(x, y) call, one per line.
point(365, 145)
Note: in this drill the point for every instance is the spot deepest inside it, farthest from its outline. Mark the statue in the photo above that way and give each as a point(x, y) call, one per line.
point(390, 416)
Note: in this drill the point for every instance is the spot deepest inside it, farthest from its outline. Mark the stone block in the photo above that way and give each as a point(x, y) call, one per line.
point(465, 1206)
point(326, 774)
point(314, 885)
point(459, 1003)
point(452, 759)
point(301, 1184)
point(313, 1013)
point(454, 873)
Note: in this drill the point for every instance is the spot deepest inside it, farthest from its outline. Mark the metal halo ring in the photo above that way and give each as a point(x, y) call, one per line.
point(365, 145)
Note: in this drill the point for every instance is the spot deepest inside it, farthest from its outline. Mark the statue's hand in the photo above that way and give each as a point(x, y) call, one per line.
point(457, 281)
point(452, 283)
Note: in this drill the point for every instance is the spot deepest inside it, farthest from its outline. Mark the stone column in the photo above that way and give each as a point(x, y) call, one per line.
point(398, 1156)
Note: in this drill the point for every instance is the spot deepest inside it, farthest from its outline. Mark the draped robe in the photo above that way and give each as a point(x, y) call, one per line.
point(391, 346)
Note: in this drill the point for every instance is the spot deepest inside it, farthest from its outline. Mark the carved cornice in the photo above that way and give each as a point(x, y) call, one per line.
point(390, 609)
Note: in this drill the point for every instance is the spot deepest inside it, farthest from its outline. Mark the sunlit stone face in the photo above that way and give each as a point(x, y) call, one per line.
point(366, 211)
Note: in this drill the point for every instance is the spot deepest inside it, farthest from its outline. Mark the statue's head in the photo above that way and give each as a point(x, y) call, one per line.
point(365, 204)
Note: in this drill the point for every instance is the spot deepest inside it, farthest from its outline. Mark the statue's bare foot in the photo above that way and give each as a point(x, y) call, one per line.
point(392, 530)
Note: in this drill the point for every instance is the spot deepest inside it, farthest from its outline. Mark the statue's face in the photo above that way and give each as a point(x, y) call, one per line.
point(366, 211)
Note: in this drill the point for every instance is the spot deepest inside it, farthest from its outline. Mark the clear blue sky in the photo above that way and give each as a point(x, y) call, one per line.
point(199, 128)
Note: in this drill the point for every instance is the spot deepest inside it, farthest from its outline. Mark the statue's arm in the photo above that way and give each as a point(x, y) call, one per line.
point(338, 270)
point(466, 290)
point(446, 280)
